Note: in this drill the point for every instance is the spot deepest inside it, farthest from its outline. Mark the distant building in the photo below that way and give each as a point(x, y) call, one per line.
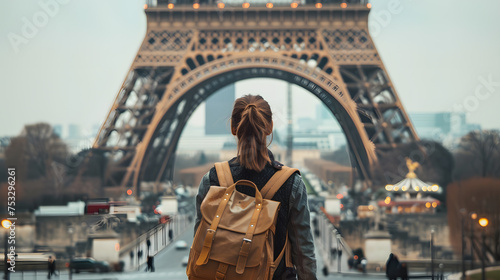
point(58, 130)
point(76, 208)
point(218, 110)
point(427, 123)
point(4, 143)
point(318, 140)
point(194, 140)
point(306, 124)
point(442, 125)
point(75, 136)
point(329, 171)
point(320, 133)
point(323, 113)
point(74, 131)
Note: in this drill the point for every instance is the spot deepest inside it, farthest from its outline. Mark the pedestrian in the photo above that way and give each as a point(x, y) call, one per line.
point(251, 122)
point(51, 267)
point(350, 263)
point(403, 271)
point(392, 267)
point(364, 262)
point(333, 253)
point(150, 263)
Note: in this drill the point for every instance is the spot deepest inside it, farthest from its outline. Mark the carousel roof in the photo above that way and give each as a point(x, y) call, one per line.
point(412, 183)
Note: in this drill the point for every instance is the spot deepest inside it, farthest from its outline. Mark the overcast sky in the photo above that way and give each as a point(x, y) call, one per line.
point(441, 56)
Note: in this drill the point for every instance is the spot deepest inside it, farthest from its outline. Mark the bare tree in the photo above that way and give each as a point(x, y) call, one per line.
point(478, 155)
point(340, 156)
point(43, 146)
point(38, 153)
point(436, 163)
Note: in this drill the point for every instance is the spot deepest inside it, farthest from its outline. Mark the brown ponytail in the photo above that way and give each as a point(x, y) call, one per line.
point(252, 122)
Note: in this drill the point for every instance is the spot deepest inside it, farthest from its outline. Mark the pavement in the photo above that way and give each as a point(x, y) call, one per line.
point(458, 276)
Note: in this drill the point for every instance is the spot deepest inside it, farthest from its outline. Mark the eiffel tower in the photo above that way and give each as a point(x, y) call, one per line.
point(192, 49)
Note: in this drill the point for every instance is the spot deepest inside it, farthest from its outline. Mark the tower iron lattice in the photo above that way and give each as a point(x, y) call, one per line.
point(188, 53)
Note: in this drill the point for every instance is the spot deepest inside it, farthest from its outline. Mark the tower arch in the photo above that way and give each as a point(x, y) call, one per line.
point(191, 90)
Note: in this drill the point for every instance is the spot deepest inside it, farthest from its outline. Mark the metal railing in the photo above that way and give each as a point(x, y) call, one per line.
point(253, 3)
point(333, 246)
point(159, 238)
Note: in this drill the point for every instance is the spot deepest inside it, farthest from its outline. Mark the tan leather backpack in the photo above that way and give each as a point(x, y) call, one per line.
point(235, 238)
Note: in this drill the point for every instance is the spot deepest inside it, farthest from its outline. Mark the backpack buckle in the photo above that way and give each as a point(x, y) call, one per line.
point(247, 240)
point(212, 232)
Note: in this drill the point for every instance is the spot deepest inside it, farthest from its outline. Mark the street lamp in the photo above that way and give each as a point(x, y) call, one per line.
point(70, 232)
point(464, 213)
point(432, 254)
point(6, 225)
point(473, 216)
point(484, 223)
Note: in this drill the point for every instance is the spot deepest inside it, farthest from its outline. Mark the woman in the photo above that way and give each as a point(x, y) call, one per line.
point(251, 122)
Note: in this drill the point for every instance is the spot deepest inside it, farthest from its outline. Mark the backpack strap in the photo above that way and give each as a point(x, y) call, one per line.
point(247, 240)
point(221, 271)
point(224, 174)
point(278, 179)
point(210, 235)
point(268, 191)
point(286, 252)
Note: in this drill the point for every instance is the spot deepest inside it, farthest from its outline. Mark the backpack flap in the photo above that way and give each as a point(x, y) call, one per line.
point(238, 212)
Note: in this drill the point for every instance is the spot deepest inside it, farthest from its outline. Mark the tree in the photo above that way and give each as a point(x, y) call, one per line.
point(478, 155)
point(14, 156)
point(436, 163)
point(38, 154)
point(340, 156)
point(36, 150)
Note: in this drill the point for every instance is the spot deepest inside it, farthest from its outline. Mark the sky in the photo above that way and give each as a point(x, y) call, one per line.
point(442, 56)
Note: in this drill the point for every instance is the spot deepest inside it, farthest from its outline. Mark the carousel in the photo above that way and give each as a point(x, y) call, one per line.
point(411, 195)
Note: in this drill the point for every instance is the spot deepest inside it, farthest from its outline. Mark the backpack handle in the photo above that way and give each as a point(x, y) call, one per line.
point(258, 195)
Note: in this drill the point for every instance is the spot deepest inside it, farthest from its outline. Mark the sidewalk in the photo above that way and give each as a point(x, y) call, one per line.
point(333, 267)
point(457, 276)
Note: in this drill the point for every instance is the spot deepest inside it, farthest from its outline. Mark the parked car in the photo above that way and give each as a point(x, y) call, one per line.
point(185, 261)
point(181, 245)
point(89, 264)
